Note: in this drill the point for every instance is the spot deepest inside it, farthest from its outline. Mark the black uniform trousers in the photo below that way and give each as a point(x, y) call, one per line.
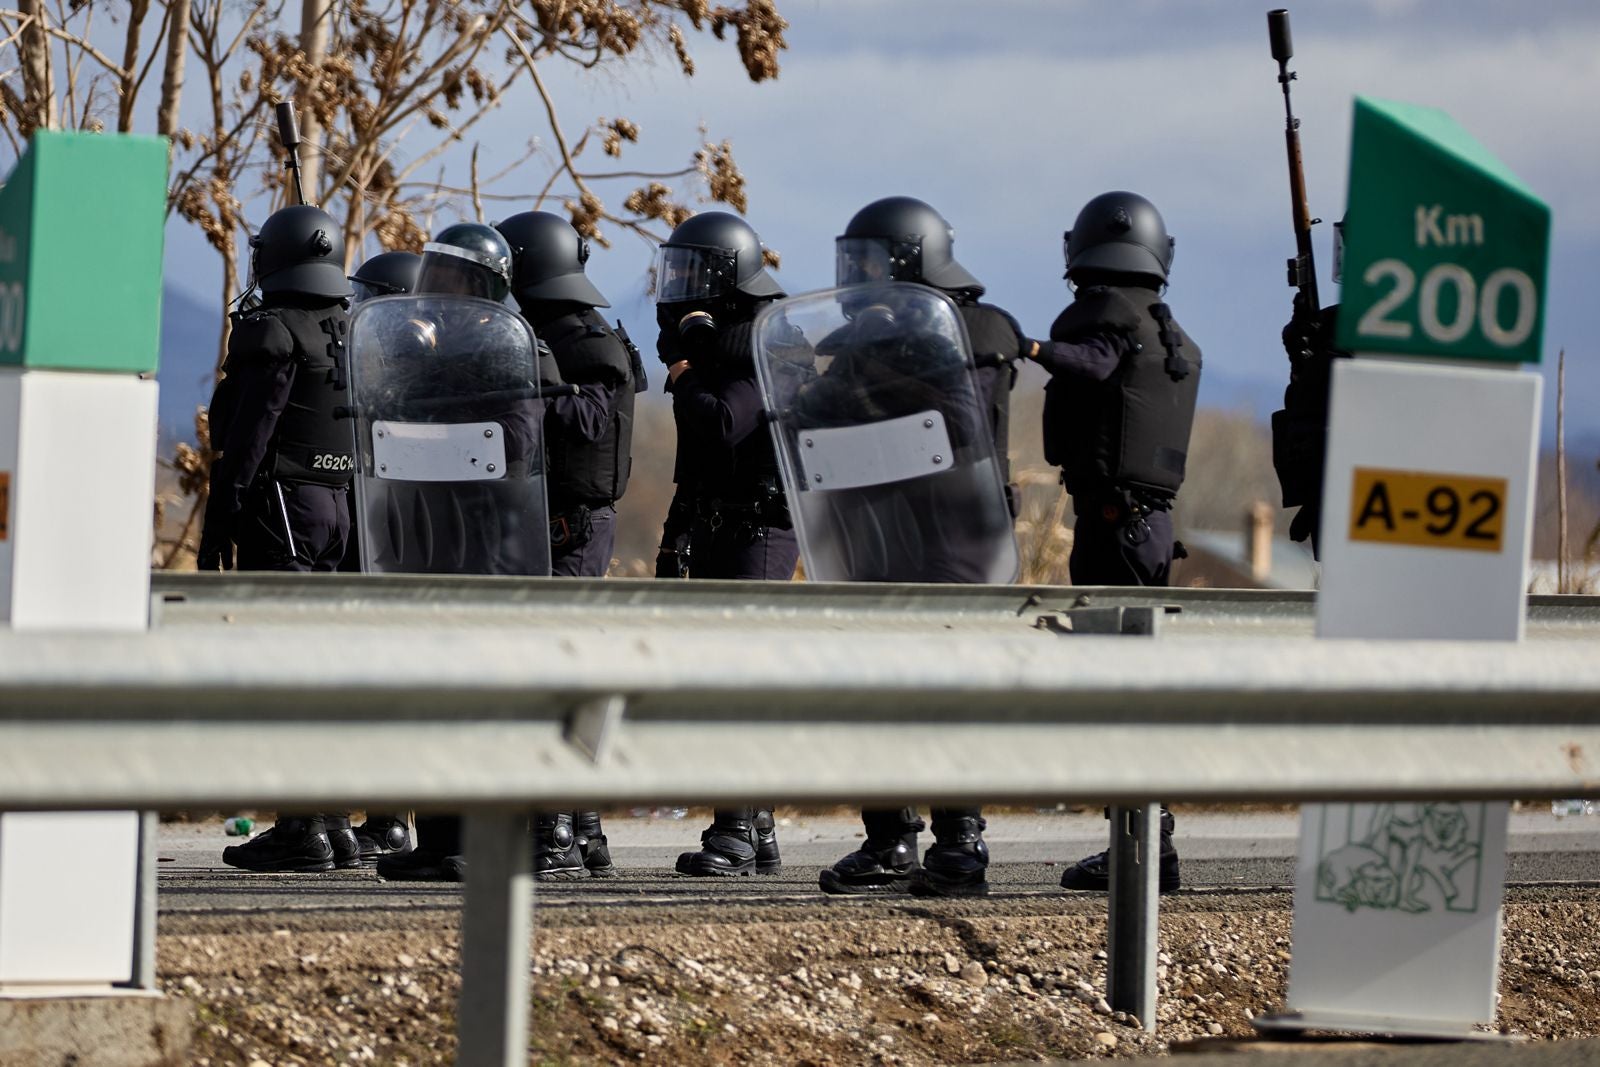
point(304, 530)
point(1122, 551)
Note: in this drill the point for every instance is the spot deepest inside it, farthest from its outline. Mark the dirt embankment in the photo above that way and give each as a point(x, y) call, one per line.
point(893, 983)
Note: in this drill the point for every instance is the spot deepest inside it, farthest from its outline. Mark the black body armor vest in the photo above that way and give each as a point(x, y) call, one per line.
point(748, 471)
point(1130, 431)
point(590, 353)
point(996, 349)
point(309, 444)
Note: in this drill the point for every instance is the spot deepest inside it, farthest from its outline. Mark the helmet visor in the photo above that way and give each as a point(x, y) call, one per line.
point(447, 269)
point(684, 273)
point(876, 259)
point(366, 289)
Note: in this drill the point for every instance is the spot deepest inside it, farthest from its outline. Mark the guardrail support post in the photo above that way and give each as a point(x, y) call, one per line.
point(496, 925)
point(1132, 926)
point(144, 922)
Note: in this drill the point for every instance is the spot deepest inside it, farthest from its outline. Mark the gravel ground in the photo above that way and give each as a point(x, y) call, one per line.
point(816, 981)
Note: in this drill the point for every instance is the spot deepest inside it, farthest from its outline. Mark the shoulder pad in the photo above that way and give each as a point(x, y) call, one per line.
point(1099, 309)
point(1011, 320)
point(261, 336)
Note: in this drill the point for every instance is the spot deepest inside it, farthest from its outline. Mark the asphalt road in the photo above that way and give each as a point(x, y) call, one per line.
point(1220, 851)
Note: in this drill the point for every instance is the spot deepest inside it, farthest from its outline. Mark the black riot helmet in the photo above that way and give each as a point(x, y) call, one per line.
point(467, 259)
point(1122, 233)
point(900, 238)
point(547, 258)
point(711, 257)
point(300, 250)
point(386, 274)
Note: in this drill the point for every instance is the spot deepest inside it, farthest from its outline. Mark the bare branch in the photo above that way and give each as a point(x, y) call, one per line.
point(155, 50)
point(38, 77)
point(85, 49)
point(683, 172)
point(172, 76)
point(477, 195)
point(137, 10)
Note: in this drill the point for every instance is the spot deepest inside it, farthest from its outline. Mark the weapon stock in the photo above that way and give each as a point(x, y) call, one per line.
point(1302, 266)
point(289, 136)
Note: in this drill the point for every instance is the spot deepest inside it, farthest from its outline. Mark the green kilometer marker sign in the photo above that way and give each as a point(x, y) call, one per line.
point(1446, 251)
point(81, 219)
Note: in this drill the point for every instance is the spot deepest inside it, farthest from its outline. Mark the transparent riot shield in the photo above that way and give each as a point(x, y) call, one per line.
point(449, 439)
point(884, 437)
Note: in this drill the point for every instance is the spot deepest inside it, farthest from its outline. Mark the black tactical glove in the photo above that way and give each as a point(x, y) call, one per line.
point(1302, 334)
point(669, 347)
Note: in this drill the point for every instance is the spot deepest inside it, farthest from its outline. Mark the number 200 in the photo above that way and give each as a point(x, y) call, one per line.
point(1470, 303)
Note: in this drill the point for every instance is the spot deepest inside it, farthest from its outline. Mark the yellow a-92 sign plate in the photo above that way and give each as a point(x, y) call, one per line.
point(1430, 510)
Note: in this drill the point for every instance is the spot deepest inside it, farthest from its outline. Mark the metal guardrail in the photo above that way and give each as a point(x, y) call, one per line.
point(501, 696)
point(563, 691)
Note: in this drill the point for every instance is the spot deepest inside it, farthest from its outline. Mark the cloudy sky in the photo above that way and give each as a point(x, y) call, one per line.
point(1007, 115)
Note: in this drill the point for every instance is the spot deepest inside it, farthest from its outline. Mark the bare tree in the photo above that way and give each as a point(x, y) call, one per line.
point(368, 77)
point(177, 24)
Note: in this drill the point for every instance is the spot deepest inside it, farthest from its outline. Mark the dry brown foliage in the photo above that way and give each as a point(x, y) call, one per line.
point(366, 75)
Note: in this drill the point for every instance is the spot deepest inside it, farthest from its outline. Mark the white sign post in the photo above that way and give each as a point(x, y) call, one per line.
point(77, 482)
point(1427, 515)
point(1428, 501)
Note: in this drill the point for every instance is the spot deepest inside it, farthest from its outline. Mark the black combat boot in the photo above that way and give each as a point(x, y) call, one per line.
point(556, 856)
point(382, 835)
point(592, 843)
point(1093, 873)
point(727, 846)
point(767, 859)
point(437, 857)
point(955, 864)
point(292, 843)
point(342, 839)
point(884, 861)
point(422, 864)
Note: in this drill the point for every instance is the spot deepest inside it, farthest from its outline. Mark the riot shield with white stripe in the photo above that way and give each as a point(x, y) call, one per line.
point(883, 437)
point(449, 437)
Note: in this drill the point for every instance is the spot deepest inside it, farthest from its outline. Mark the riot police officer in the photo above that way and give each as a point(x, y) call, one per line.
point(472, 260)
point(385, 274)
point(728, 517)
point(1300, 428)
point(280, 479)
point(1119, 407)
point(278, 485)
point(589, 452)
point(900, 238)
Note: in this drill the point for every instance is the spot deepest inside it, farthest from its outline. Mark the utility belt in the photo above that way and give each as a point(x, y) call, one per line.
point(765, 508)
point(1128, 509)
point(1119, 504)
point(572, 526)
point(300, 463)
